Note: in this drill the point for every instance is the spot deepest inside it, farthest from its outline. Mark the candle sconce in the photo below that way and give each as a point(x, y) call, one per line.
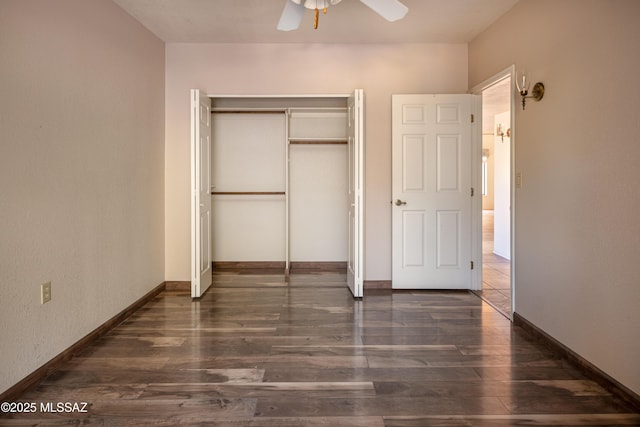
point(502, 133)
point(523, 88)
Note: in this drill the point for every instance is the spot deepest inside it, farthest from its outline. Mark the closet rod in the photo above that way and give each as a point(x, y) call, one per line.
point(321, 109)
point(248, 193)
point(248, 111)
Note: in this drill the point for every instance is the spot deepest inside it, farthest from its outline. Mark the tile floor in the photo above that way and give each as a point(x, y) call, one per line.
point(496, 271)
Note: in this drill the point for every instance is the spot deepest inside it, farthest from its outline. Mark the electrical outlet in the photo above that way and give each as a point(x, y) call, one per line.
point(45, 293)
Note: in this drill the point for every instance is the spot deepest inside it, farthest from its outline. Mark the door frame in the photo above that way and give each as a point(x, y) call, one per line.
point(477, 90)
point(359, 246)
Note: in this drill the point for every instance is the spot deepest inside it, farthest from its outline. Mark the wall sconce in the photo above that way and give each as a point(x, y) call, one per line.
point(501, 133)
point(536, 94)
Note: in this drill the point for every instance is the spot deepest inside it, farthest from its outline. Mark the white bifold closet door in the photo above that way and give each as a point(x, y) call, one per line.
point(200, 193)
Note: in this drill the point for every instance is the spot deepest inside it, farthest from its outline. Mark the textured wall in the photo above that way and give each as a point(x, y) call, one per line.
point(576, 220)
point(81, 173)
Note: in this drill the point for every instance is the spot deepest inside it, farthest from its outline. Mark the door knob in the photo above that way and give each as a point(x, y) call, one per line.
point(400, 202)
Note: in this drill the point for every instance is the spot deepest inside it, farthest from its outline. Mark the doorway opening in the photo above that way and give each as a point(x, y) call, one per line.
point(284, 175)
point(497, 147)
point(279, 168)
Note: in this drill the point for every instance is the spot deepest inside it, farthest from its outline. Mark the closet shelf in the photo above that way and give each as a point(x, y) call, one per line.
point(317, 141)
point(317, 112)
point(248, 193)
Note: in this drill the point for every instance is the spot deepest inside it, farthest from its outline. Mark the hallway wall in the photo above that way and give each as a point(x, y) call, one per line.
point(577, 229)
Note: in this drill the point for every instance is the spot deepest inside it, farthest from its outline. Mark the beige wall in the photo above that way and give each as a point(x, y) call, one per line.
point(577, 227)
point(81, 173)
point(303, 69)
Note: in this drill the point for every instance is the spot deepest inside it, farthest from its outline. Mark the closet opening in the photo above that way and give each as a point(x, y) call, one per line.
point(280, 183)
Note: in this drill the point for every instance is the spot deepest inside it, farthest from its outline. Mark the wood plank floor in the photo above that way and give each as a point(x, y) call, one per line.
point(258, 351)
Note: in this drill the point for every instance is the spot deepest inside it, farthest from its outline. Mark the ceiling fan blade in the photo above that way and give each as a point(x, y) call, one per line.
point(391, 10)
point(291, 16)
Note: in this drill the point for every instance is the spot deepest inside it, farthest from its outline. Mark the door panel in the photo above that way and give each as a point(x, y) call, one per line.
point(200, 193)
point(413, 238)
point(413, 175)
point(448, 239)
point(448, 163)
point(431, 209)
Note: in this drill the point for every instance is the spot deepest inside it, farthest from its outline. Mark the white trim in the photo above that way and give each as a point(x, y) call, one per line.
point(476, 200)
point(287, 266)
point(359, 94)
point(486, 84)
point(193, 201)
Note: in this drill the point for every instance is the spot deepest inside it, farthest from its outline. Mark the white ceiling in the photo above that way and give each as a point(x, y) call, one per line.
point(254, 21)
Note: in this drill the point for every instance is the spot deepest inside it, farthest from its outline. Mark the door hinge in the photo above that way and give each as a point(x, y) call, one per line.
point(473, 192)
point(472, 265)
point(473, 118)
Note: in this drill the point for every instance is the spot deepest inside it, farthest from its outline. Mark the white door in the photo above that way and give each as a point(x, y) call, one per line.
point(200, 193)
point(355, 263)
point(431, 190)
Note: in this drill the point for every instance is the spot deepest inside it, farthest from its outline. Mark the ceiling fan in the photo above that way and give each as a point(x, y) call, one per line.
point(291, 17)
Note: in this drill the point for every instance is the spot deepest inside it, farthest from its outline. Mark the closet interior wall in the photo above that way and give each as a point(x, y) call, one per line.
point(279, 181)
point(248, 186)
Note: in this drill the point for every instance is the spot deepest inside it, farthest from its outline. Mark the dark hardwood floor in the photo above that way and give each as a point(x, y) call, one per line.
point(256, 350)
